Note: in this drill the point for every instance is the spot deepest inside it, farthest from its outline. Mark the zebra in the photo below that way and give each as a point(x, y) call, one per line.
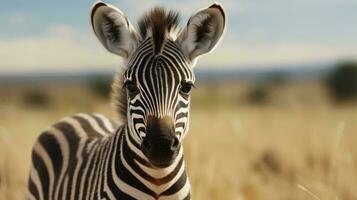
point(89, 156)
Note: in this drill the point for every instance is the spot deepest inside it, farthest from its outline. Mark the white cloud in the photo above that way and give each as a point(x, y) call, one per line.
point(61, 30)
point(16, 19)
point(235, 54)
point(63, 48)
point(13, 21)
point(135, 8)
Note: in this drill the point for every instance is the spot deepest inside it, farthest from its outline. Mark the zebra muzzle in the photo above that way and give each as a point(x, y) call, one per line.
point(160, 145)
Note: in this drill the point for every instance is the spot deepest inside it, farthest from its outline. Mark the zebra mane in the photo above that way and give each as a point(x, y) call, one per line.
point(158, 23)
point(119, 100)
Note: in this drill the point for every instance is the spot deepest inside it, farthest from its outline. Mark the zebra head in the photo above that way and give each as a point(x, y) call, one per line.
point(153, 93)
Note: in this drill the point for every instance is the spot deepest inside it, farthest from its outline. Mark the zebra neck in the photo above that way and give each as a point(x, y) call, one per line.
point(133, 166)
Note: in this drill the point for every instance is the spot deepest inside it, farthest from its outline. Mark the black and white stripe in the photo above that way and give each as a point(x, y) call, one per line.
point(88, 156)
point(159, 79)
point(82, 157)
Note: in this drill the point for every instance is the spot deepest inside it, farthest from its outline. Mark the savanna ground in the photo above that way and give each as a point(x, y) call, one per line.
point(284, 142)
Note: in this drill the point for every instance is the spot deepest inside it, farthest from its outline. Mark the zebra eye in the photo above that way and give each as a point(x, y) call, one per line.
point(132, 89)
point(186, 88)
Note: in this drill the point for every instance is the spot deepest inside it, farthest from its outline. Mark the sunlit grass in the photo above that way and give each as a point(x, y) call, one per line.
point(296, 145)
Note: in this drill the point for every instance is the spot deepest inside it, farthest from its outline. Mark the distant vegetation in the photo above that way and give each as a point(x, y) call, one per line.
point(101, 85)
point(36, 98)
point(258, 94)
point(342, 82)
point(277, 78)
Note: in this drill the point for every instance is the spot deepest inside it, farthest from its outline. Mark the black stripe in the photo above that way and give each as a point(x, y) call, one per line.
point(101, 123)
point(87, 127)
point(177, 186)
point(33, 189)
point(90, 163)
point(182, 115)
point(71, 135)
point(125, 175)
point(81, 170)
point(107, 150)
point(40, 167)
point(94, 171)
point(188, 197)
point(111, 184)
point(99, 170)
point(52, 147)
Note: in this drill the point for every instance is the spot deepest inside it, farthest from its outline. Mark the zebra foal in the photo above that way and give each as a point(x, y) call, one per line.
point(88, 156)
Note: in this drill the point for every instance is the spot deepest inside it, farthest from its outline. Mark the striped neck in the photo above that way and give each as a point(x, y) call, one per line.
point(142, 178)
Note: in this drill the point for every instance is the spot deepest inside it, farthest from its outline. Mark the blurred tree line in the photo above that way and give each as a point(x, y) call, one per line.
point(342, 82)
point(101, 85)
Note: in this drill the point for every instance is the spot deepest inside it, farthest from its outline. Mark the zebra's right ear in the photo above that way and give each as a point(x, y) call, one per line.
point(114, 30)
point(203, 31)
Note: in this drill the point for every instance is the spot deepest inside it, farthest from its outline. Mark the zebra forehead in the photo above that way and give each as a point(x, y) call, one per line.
point(162, 68)
point(171, 62)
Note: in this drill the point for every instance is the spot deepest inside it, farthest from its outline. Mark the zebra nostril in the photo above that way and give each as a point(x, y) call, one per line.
point(175, 144)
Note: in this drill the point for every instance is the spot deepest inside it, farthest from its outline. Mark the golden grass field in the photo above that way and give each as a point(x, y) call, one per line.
point(297, 145)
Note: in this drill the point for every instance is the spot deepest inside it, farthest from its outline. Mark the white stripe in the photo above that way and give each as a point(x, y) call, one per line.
point(83, 136)
point(65, 187)
point(124, 187)
point(183, 119)
point(76, 126)
point(161, 172)
point(63, 144)
point(30, 196)
point(36, 180)
point(100, 169)
point(156, 188)
point(182, 110)
point(94, 124)
point(92, 174)
point(137, 151)
point(77, 167)
point(85, 171)
point(181, 194)
point(106, 122)
point(137, 126)
point(90, 145)
point(179, 129)
point(105, 157)
point(106, 187)
point(132, 130)
point(42, 153)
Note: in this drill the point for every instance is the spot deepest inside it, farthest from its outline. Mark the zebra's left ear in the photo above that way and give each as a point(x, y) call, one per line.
point(114, 30)
point(203, 31)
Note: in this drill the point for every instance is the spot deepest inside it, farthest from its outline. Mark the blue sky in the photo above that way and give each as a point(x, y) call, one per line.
point(56, 35)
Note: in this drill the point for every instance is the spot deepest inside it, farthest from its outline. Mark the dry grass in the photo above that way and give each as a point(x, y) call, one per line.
point(295, 146)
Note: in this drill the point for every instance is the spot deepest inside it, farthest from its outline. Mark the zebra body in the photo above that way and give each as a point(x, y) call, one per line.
point(88, 156)
point(97, 168)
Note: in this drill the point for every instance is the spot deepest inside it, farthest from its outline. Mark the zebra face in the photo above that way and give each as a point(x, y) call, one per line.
point(158, 76)
point(158, 91)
